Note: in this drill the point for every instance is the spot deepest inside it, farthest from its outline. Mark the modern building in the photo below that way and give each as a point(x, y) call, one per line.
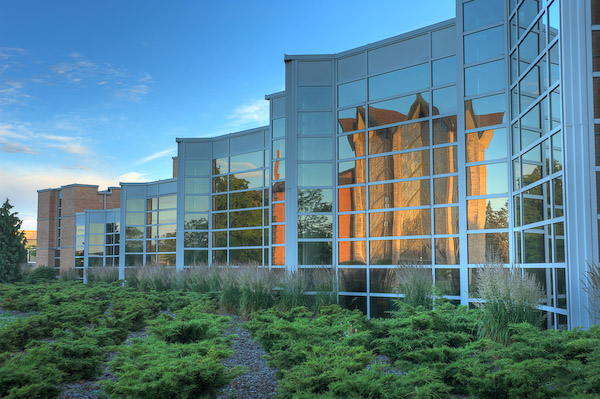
point(472, 139)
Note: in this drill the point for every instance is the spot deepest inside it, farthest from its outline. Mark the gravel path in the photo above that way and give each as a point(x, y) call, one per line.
point(258, 380)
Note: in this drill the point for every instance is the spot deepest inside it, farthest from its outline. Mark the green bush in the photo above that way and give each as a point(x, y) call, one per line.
point(40, 274)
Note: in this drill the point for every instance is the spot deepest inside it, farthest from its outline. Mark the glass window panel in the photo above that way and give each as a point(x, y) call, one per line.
point(130, 246)
point(352, 280)
point(315, 123)
point(220, 166)
point(555, 108)
point(351, 146)
point(245, 238)
point(595, 50)
point(219, 202)
point(278, 170)
point(529, 49)
point(414, 222)
point(167, 216)
point(448, 281)
point(558, 195)
point(278, 191)
point(279, 127)
point(195, 221)
point(246, 180)
point(278, 213)
point(559, 242)
point(167, 202)
point(398, 82)
point(447, 251)
point(554, 20)
point(351, 93)
point(484, 78)
point(514, 69)
point(557, 162)
point(445, 190)
point(480, 13)
point(399, 195)
point(96, 239)
point(445, 160)
point(135, 205)
point(396, 138)
point(527, 12)
point(134, 232)
point(134, 218)
point(315, 149)
point(195, 258)
point(352, 226)
point(252, 160)
point(196, 203)
point(536, 245)
point(96, 228)
point(246, 218)
point(351, 172)
point(352, 252)
point(195, 240)
point(219, 239)
point(401, 109)
point(134, 260)
point(444, 130)
point(487, 213)
point(196, 185)
point(315, 98)
point(219, 257)
point(554, 64)
point(446, 220)
point(484, 45)
point(318, 174)
point(532, 164)
point(444, 101)
point(245, 256)
point(486, 145)
point(351, 199)
point(167, 230)
point(530, 88)
point(487, 179)
point(315, 226)
point(396, 252)
point(485, 246)
point(278, 236)
point(315, 200)
point(314, 253)
point(384, 281)
point(278, 149)
point(485, 111)
point(351, 119)
point(220, 184)
point(278, 255)
point(444, 71)
point(399, 166)
point(353, 303)
point(197, 167)
point(246, 199)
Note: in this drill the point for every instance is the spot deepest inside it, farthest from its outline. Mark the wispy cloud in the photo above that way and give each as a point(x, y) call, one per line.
point(8, 52)
point(11, 93)
point(20, 138)
point(159, 154)
point(256, 111)
point(132, 177)
point(133, 93)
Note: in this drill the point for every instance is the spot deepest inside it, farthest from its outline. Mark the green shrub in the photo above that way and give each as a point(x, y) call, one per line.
point(40, 274)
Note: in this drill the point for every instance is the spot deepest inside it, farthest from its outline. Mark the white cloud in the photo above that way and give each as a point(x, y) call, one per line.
point(132, 177)
point(71, 148)
point(16, 148)
point(8, 52)
point(256, 112)
point(133, 93)
point(159, 154)
point(20, 138)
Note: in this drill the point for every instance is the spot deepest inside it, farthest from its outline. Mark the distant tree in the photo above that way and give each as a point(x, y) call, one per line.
point(12, 244)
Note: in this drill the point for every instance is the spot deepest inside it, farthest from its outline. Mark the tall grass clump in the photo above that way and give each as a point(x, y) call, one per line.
point(200, 279)
point(40, 274)
point(323, 281)
point(102, 274)
point(591, 286)
point(257, 286)
point(508, 296)
point(230, 289)
point(292, 292)
point(415, 282)
point(152, 278)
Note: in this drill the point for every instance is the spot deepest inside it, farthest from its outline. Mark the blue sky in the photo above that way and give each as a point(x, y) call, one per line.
point(96, 92)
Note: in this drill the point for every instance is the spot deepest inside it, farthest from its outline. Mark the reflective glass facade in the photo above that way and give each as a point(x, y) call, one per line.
point(448, 147)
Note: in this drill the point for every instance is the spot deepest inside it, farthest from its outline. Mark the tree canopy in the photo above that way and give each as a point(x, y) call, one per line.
point(12, 244)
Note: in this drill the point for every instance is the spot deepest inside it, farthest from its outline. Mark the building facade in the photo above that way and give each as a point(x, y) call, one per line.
point(468, 141)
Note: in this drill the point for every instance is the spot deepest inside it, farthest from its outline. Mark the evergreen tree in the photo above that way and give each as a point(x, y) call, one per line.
point(12, 244)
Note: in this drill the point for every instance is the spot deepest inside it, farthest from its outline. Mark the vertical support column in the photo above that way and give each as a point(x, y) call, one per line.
point(121, 233)
point(291, 167)
point(578, 159)
point(179, 256)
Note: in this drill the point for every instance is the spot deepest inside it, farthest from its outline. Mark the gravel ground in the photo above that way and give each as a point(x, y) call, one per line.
point(258, 380)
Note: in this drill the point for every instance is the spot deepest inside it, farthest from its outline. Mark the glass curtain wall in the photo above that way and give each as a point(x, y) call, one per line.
point(196, 205)
point(595, 17)
point(278, 182)
point(537, 144)
point(79, 243)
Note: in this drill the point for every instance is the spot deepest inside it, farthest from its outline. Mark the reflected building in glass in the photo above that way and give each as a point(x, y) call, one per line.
point(470, 141)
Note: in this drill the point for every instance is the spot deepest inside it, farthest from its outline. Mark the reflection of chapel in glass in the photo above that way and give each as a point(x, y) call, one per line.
point(441, 147)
